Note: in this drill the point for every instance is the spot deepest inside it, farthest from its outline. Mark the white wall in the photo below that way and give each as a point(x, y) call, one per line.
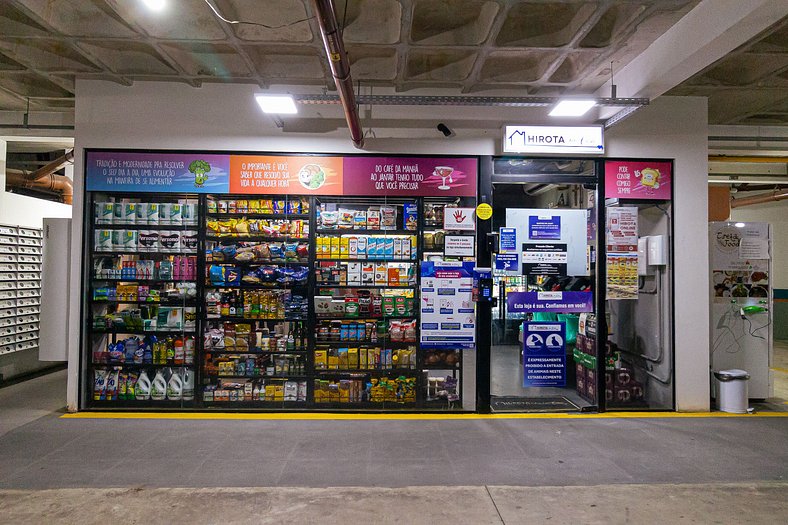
point(225, 117)
point(676, 127)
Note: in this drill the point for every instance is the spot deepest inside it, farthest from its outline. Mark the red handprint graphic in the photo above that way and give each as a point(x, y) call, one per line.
point(459, 217)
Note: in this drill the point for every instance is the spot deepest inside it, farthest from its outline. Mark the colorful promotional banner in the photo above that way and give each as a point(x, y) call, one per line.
point(559, 302)
point(544, 354)
point(271, 174)
point(281, 174)
point(448, 317)
point(410, 176)
point(157, 172)
point(625, 179)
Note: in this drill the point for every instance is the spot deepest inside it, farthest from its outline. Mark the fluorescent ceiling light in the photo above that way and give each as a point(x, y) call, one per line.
point(155, 5)
point(739, 225)
point(572, 108)
point(281, 104)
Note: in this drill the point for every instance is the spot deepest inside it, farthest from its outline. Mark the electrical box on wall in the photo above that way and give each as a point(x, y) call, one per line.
point(657, 250)
point(643, 268)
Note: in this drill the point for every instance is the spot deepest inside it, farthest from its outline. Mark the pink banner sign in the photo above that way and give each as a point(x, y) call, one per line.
point(410, 176)
point(644, 180)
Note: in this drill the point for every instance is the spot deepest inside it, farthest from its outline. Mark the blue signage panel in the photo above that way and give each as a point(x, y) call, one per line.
point(544, 228)
point(560, 302)
point(544, 354)
point(509, 262)
point(507, 240)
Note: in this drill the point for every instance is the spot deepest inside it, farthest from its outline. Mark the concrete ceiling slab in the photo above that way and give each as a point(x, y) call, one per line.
point(573, 67)
point(133, 58)
point(193, 21)
point(277, 63)
point(219, 61)
point(544, 24)
point(89, 18)
point(13, 22)
point(452, 22)
point(371, 21)
point(282, 16)
point(516, 66)
point(31, 84)
point(612, 24)
point(372, 62)
point(47, 55)
point(439, 64)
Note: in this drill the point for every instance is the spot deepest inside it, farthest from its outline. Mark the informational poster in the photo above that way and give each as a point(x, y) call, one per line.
point(125, 171)
point(448, 317)
point(558, 302)
point(544, 354)
point(572, 230)
point(622, 275)
point(645, 180)
point(459, 219)
point(157, 172)
point(739, 261)
point(544, 227)
point(507, 240)
point(544, 259)
point(622, 229)
point(459, 246)
point(621, 238)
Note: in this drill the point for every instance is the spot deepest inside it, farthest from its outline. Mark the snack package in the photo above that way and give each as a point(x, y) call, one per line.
point(346, 219)
point(360, 220)
point(411, 216)
point(373, 218)
point(329, 219)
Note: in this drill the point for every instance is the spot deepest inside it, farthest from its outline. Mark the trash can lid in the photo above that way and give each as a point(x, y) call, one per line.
point(731, 375)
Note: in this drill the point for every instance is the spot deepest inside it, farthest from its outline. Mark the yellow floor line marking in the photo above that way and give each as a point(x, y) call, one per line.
point(317, 416)
point(779, 369)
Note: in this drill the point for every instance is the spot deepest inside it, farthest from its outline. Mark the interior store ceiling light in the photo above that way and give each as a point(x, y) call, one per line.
point(277, 104)
point(572, 108)
point(155, 5)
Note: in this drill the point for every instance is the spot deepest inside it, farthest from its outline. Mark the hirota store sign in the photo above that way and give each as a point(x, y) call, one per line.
point(123, 171)
point(567, 140)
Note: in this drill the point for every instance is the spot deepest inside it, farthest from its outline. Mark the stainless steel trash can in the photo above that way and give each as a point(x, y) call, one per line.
point(732, 391)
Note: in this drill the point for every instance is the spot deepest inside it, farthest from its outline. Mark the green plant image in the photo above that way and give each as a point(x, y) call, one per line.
point(200, 168)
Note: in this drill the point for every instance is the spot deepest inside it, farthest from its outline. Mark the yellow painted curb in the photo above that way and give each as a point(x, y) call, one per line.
point(318, 416)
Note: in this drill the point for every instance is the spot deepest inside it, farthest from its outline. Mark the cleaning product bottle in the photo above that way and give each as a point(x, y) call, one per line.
point(175, 387)
point(142, 389)
point(170, 350)
point(147, 353)
point(178, 351)
point(188, 384)
point(188, 350)
point(158, 390)
point(131, 348)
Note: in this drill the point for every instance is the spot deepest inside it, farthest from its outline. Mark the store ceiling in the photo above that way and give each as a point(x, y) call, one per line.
point(535, 47)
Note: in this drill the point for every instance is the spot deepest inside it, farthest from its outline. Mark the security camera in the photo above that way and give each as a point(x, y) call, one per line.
point(443, 128)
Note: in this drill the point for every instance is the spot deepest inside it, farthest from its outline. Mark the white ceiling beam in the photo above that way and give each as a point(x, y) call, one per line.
point(710, 31)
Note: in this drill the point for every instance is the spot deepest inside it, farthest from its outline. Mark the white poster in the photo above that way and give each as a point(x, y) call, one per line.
point(459, 246)
point(448, 315)
point(459, 219)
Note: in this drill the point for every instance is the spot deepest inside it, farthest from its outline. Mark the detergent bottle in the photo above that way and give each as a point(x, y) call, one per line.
point(158, 391)
point(188, 384)
point(142, 388)
point(175, 387)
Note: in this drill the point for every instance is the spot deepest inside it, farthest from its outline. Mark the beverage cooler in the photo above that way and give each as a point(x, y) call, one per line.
point(226, 291)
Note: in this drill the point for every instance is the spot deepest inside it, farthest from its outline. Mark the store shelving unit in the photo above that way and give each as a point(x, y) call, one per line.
point(20, 287)
point(141, 314)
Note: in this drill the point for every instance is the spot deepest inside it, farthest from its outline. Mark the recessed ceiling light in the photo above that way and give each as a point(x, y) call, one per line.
point(572, 108)
point(155, 5)
point(739, 225)
point(281, 104)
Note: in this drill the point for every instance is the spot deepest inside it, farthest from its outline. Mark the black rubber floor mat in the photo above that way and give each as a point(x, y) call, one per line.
point(532, 404)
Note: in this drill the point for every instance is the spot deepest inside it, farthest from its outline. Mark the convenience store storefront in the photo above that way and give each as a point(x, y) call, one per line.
point(650, 133)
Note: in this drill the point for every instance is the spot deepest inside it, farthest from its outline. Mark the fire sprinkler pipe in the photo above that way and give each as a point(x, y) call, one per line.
point(340, 66)
point(45, 179)
point(772, 196)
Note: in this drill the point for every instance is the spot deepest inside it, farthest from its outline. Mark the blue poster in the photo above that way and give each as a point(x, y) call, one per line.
point(125, 171)
point(560, 302)
point(507, 262)
point(542, 227)
point(507, 240)
point(544, 354)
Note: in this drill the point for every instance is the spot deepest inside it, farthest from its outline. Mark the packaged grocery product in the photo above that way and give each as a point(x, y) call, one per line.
point(388, 218)
point(360, 220)
point(104, 212)
point(100, 385)
point(373, 218)
point(411, 216)
point(346, 219)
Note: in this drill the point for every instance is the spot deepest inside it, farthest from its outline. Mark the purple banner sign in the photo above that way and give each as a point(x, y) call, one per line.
point(410, 176)
point(559, 302)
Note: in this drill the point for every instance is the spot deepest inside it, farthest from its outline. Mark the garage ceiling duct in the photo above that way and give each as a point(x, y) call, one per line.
point(44, 179)
point(340, 66)
point(776, 195)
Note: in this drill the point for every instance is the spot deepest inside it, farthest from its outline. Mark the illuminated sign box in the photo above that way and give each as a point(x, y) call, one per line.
point(567, 140)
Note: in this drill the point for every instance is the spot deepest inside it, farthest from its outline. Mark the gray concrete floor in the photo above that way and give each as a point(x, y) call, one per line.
point(594, 470)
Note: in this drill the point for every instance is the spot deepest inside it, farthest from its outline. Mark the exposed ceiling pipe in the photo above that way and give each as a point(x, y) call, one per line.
point(772, 196)
point(340, 66)
point(45, 179)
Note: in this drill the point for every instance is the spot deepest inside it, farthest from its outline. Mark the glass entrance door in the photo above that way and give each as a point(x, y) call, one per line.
point(543, 352)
